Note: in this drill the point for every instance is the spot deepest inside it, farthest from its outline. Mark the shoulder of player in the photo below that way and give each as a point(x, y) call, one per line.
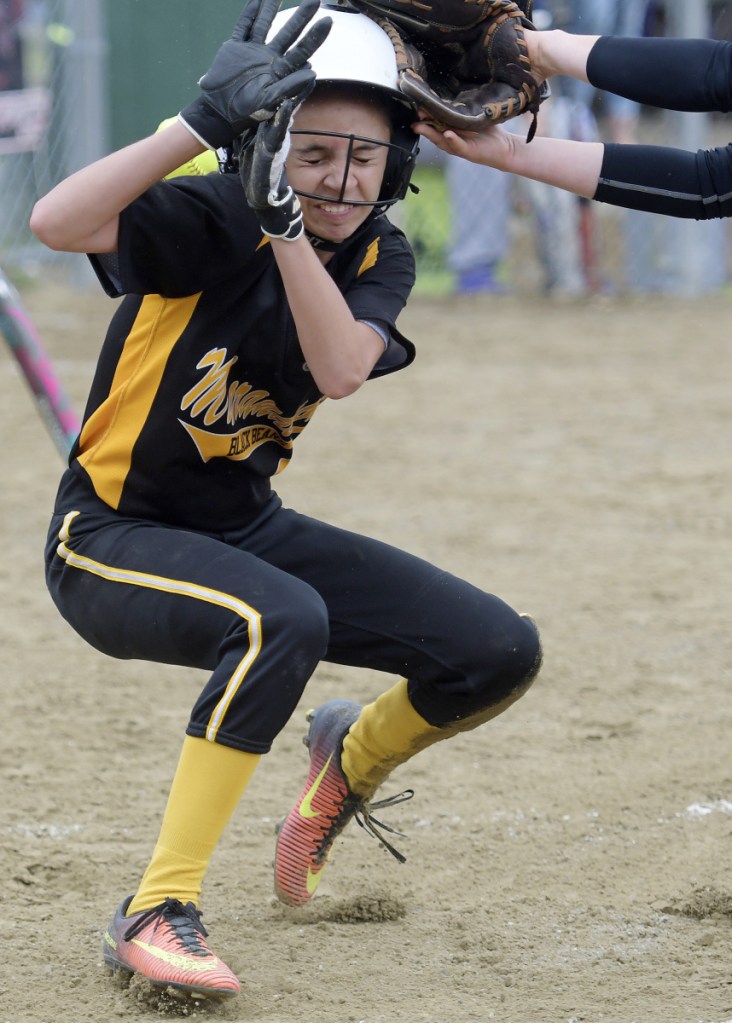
point(384, 228)
point(214, 202)
point(381, 241)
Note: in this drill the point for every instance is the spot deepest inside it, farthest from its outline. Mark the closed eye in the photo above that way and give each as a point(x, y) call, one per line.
point(366, 157)
point(311, 155)
point(362, 152)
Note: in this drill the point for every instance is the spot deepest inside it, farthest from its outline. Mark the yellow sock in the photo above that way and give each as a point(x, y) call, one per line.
point(387, 733)
point(208, 784)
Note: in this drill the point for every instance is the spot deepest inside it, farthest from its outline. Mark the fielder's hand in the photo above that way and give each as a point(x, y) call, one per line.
point(262, 173)
point(249, 77)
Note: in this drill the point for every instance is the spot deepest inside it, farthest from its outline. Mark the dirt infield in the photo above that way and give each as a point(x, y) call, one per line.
point(568, 862)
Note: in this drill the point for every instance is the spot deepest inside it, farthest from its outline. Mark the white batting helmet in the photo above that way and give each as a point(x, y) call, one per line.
point(356, 50)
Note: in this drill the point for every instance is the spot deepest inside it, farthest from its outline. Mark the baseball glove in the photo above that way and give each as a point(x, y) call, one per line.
point(464, 62)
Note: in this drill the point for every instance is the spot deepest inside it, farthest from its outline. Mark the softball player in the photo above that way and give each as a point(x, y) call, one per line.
point(251, 297)
point(640, 177)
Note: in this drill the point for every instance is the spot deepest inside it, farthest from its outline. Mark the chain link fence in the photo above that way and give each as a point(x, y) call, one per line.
point(55, 116)
point(35, 119)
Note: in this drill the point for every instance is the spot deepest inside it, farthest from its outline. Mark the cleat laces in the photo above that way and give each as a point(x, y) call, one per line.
point(370, 824)
point(184, 921)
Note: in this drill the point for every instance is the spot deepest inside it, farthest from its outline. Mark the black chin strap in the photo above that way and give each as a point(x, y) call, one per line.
point(322, 244)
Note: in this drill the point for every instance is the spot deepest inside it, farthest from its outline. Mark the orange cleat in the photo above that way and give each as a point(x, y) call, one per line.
point(167, 946)
point(326, 805)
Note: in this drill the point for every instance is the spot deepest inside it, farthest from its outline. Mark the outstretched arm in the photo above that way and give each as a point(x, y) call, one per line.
point(554, 52)
point(574, 166)
point(672, 74)
point(658, 179)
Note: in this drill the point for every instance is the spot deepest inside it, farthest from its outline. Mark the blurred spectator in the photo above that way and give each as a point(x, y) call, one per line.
point(11, 57)
point(610, 18)
point(567, 241)
point(655, 19)
point(480, 200)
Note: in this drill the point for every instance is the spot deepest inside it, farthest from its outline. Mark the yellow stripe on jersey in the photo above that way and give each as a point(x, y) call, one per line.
point(110, 433)
point(186, 589)
point(369, 260)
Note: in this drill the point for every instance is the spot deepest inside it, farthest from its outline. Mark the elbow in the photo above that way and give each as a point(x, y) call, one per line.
point(337, 381)
point(340, 387)
point(45, 227)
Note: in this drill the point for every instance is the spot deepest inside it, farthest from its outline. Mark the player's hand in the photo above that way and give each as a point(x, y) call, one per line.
point(262, 173)
point(250, 77)
point(492, 146)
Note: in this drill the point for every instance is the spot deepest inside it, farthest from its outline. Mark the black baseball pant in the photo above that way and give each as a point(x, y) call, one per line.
point(260, 608)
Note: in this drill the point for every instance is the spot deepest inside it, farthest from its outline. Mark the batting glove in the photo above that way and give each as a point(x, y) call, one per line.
point(249, 77)
point(262, 173)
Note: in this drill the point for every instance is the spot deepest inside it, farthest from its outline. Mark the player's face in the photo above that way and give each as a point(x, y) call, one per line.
point(339, 169)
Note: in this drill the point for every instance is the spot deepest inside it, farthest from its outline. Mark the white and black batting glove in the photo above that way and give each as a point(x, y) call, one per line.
point(249, 78)
point(262, 173)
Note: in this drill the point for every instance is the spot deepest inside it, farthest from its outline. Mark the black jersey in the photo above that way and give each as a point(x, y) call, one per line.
point(675, 74)
point(201, 387)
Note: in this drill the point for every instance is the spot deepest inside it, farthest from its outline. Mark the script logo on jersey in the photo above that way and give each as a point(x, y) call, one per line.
point(217, 397)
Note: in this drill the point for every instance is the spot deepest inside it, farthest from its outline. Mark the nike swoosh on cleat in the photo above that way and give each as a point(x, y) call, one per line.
point(305, 810)
point(183, 963)
point(313, 879)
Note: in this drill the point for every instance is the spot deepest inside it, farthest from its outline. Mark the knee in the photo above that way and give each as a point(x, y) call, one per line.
point(307, 625)
point(297, 631)
point(528, 650)
point(505, 662)
point(513, 663)
point(498, 670)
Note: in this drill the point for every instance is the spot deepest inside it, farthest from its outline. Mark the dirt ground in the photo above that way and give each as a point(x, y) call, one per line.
point(568, 862)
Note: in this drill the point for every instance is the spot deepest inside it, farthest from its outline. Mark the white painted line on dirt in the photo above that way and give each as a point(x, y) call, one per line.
point(704, 809)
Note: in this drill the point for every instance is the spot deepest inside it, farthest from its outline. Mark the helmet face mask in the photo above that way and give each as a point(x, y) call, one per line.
point(351, 142)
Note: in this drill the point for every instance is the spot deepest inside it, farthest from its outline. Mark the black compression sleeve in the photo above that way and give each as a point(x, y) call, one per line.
point(674, 74)
point(669, 181)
